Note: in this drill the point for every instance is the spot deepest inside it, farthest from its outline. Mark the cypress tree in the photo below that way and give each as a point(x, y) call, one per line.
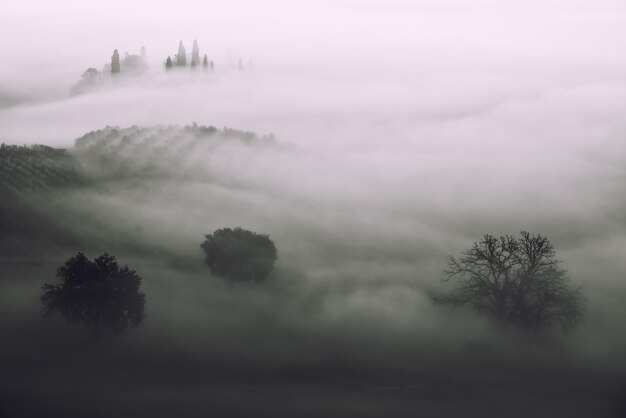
point(181, 58)
point(115, 62)
point(195, 53)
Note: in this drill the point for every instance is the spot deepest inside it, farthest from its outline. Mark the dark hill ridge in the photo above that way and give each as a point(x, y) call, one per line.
point(113, 152)
point(31, 177)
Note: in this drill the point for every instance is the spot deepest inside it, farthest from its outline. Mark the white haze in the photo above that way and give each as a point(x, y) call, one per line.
point(416, 123)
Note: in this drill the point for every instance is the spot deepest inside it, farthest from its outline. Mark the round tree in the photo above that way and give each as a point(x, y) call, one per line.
point(97, 294)
point(239, 254)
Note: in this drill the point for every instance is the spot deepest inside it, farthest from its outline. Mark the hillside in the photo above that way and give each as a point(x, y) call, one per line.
point(55, 198)
point(157, 152)
point(37, 168)
point(113, 152)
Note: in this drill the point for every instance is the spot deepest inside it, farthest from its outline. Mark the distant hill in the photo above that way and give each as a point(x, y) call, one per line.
point(116, 153)
point(157, 152)
point(48, 196)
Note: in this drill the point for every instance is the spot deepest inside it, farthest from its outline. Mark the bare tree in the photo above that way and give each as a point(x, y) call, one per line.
point(517, 280)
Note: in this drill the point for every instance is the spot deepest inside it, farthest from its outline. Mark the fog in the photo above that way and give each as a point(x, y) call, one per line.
point(396, 133)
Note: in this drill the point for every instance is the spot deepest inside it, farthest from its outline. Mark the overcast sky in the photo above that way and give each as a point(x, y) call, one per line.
point(379, 37)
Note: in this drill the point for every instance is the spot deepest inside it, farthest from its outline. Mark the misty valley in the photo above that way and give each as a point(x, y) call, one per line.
point(343, 322)
point(313, 209)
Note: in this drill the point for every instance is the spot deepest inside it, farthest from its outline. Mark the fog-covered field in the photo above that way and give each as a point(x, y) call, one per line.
point(369, 140)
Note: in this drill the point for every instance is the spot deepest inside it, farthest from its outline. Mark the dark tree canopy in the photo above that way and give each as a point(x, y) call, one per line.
point(115, 62)
point(239, 254)
point(168, 63)
point(517, 280)
point(97, 294)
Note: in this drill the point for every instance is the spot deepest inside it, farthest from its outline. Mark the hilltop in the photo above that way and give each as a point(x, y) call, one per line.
point(158, 152)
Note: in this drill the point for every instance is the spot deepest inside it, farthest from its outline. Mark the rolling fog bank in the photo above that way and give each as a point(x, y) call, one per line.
point(358, 261)
point(346, 314)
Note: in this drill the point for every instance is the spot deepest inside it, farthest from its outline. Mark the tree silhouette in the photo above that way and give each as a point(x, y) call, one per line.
point(97, 294)
point(115, 62)
point(90, 73)
point(516, 280)
point(181, 57)
point(195, 54)
point(205, 62)
point(239, 254)
point(168, 63)
point(133, 64)
point(89, 79)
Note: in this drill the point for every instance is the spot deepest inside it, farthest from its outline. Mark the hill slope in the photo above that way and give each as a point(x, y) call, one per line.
point(56, 197)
